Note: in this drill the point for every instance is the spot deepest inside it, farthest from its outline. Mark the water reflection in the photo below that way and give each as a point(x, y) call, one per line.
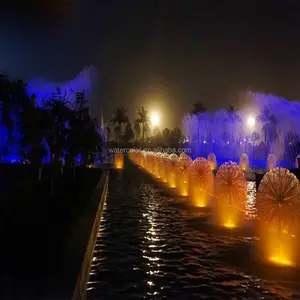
point(151, 245)
point(250, 210)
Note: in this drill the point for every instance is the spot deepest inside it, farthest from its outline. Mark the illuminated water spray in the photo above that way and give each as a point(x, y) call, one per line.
point(231, 194)
point(182, 174)
point(271, 161)
point(171, 168)
point(278, 207)
point(201, 182)
point(244, 161)
point(118, 161)
point(212, 161)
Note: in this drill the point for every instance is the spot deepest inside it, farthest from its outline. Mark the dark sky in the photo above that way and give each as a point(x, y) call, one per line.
point(184, 50)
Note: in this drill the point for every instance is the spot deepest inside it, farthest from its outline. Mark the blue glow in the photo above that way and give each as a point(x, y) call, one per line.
point(10, 150)
point(267, 124)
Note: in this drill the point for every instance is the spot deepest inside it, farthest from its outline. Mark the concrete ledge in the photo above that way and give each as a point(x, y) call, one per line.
point(70, 282)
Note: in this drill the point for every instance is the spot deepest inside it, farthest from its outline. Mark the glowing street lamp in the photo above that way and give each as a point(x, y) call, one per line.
point(155, 120)
point(251, 122)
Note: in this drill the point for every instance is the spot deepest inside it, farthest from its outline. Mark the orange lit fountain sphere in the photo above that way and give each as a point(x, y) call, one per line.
point(182, 174)
point(231, 194)
point(171, 167)
point(212, 161)
point(157, 160)
point(244, 161)
point(201, 182)
point(271, 161)
point(163, 167)
point(278, 207)
point(119, 161)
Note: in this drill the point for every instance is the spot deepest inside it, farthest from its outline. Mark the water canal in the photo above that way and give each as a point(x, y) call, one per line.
point(152, 245)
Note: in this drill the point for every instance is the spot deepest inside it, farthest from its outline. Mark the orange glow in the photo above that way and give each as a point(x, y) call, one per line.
point(244, 161)
point(229, 225)
point(119, 161)
point(170, 169)
point(280, 261)
point(212, 161)
point(231, 192)
point(184, 183)
point(201, 182)
point(278, 247)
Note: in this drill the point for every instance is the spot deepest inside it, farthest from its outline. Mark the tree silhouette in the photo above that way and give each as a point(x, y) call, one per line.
point(198, 108)
point(137, 130)
point(119, 118)
point(144, 119)
point(128, 134)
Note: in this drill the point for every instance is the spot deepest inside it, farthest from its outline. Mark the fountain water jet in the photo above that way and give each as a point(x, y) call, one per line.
point(212, 161)
point(271, 161)
point(268, 124)
point(118, 161)
point(182, 174)
point(171, 163)
point(278, 207)
point(231, 194)
point(244, 161)
point(201, 182)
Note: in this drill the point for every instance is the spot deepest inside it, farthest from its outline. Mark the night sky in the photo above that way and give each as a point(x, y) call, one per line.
point(176, 51)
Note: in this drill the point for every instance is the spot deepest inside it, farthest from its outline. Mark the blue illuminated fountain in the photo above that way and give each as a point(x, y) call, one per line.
point(267, 124)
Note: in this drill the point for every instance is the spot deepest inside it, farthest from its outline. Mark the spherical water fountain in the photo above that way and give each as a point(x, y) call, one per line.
point(278, 207)
point(244, 161)
point(231, 194)
point(212, 161)
point(163, 167)
point(171, 167)
point(271, 161)
point(182, 174)
point(201, 182)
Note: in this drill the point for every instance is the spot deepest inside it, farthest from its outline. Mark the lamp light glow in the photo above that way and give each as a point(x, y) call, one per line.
point(155, 120)
point(251, 122)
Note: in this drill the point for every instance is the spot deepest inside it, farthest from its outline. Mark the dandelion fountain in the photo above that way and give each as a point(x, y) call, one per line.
point(231, 194)
point(201, 182)
point(182, 172)
point(171, 163)
point(278, 207)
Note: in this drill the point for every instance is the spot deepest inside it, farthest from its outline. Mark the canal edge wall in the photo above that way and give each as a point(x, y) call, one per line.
point(69, 280)
point(80, 289)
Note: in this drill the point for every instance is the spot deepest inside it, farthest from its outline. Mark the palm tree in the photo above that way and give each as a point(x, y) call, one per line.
point(198, 108)
point(269, 122)
point(144, 119)
point(137, 130)
point(233, 117)
point(119, 118)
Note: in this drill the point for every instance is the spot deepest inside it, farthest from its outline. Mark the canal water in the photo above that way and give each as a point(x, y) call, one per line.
point(152, 244)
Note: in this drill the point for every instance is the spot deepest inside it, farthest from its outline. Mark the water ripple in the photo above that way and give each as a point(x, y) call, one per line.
point(152, 245)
